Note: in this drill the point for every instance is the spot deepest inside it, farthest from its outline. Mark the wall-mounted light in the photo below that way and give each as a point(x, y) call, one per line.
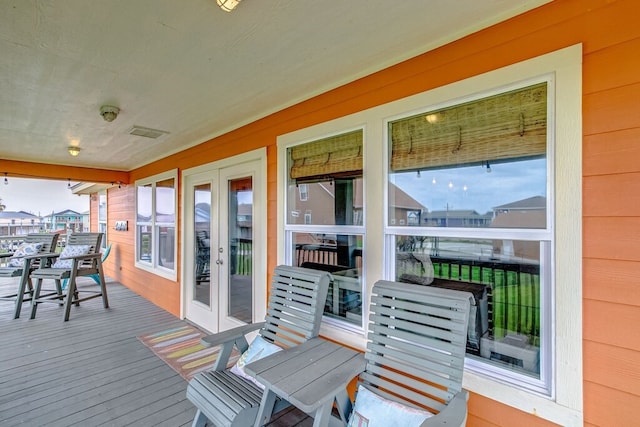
point(74, 151)
point(227, 5)
point(6, 181)
point(488, 167)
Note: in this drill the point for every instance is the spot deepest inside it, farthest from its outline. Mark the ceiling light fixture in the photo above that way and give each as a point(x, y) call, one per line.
point(227, 5)
point(109, 112)
point(74, 151)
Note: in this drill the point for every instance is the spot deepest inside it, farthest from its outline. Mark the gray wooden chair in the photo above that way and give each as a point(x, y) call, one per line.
point(47, 243)
point(80, 257)
point(294, 314)
point(416, 349)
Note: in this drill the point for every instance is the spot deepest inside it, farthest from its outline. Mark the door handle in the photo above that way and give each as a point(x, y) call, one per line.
point(219, 261)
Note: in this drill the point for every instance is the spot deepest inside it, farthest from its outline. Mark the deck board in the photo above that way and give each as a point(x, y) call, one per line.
point(92, 370)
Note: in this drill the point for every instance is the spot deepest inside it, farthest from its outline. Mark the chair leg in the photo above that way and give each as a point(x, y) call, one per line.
point(34, 298)
point(103, 286)
point(199, 420)
point(22, 289)
point(266, 408)
point(72, 295)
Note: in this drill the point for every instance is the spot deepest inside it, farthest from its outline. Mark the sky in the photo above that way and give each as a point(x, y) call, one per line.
point(40, 197)
point(472, 187)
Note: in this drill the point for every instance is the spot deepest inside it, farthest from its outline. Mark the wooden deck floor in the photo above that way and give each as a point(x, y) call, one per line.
point(92, 370)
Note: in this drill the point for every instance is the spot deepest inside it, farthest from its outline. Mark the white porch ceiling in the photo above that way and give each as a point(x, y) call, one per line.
point(188, 68)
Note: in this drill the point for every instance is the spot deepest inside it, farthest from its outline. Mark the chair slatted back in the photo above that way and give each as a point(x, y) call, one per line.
point(93, 240)
point(417, 342)
point(296, 305)
point(48, 240)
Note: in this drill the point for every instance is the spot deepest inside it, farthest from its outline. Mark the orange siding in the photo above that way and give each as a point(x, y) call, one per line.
point(611, 39)
point(610, 36)
point(121, 262)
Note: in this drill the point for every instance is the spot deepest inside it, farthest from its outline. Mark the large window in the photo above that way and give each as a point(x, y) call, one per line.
point(324, 226)
point(481, 165)
point(473, 186)
point(156, 224)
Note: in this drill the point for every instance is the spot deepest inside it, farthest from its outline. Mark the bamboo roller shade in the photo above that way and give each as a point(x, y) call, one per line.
point(505, 126)
point(338, 154)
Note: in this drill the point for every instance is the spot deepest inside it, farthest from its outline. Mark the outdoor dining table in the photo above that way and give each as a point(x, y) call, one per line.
point(311, 376)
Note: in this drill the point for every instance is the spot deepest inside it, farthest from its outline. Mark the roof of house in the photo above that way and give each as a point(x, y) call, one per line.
point(17, 215)
point(535, 202)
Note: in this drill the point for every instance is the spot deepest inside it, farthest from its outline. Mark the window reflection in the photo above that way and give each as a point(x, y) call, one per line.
point(340, 255)
point(504, 277)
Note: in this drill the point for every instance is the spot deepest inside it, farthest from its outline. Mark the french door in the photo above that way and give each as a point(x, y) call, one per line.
point(224, 240)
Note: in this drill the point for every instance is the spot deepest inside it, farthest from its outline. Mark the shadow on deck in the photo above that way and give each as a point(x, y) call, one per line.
point(93, 370)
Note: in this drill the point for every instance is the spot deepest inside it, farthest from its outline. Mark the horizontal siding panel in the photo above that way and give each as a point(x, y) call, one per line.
point(615, 367)
point(611, 281)
point(611, 110)
point(611, 324)
point(611, 152)
point(612, 195)
point(485, 410)
point(611, 68)
point(605, 406)
point(612, 238)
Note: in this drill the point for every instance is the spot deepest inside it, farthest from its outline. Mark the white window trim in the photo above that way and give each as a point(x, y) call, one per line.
point(105, 240)
point(565, 407)
point(341, 330)
point(167, 273)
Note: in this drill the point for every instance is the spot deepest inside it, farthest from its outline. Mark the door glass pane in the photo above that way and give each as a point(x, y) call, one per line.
point(202, 251)
point(240, 249)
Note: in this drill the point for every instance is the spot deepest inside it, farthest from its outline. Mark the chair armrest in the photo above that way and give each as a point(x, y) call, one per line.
point(227, 340)
point(455, 414)
point(45, 255)
point(81, 257)
point(6, 255)
point(230, 335)
point(42, 255)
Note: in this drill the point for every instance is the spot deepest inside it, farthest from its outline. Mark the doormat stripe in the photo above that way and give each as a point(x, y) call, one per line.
point(181, 349)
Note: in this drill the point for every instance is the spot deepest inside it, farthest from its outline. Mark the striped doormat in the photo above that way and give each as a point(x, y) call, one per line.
point(180, 348)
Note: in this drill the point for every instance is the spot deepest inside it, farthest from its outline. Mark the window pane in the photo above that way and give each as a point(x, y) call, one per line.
point(475, 164)
point(102, 207)
point(504, 277)
point(145, 243)
point(325, 181)
point(326, 202)
point(144, 203)
point(341, 255)
point(165, 202)
point(166, 245)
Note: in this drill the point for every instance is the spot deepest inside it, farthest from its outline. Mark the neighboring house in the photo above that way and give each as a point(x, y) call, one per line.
point(19, 223)
point(526, 213)
point(403, 209)
point(68, 220)
point(457, 218)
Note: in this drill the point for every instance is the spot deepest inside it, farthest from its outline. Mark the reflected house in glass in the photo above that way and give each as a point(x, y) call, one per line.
point(526, 213)
point(457, 218)
point(403, 209)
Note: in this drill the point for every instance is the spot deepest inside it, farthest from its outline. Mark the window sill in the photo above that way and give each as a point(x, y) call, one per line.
point(167, 274)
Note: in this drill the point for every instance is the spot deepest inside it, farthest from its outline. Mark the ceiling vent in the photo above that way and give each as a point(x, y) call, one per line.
point(147, 132)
